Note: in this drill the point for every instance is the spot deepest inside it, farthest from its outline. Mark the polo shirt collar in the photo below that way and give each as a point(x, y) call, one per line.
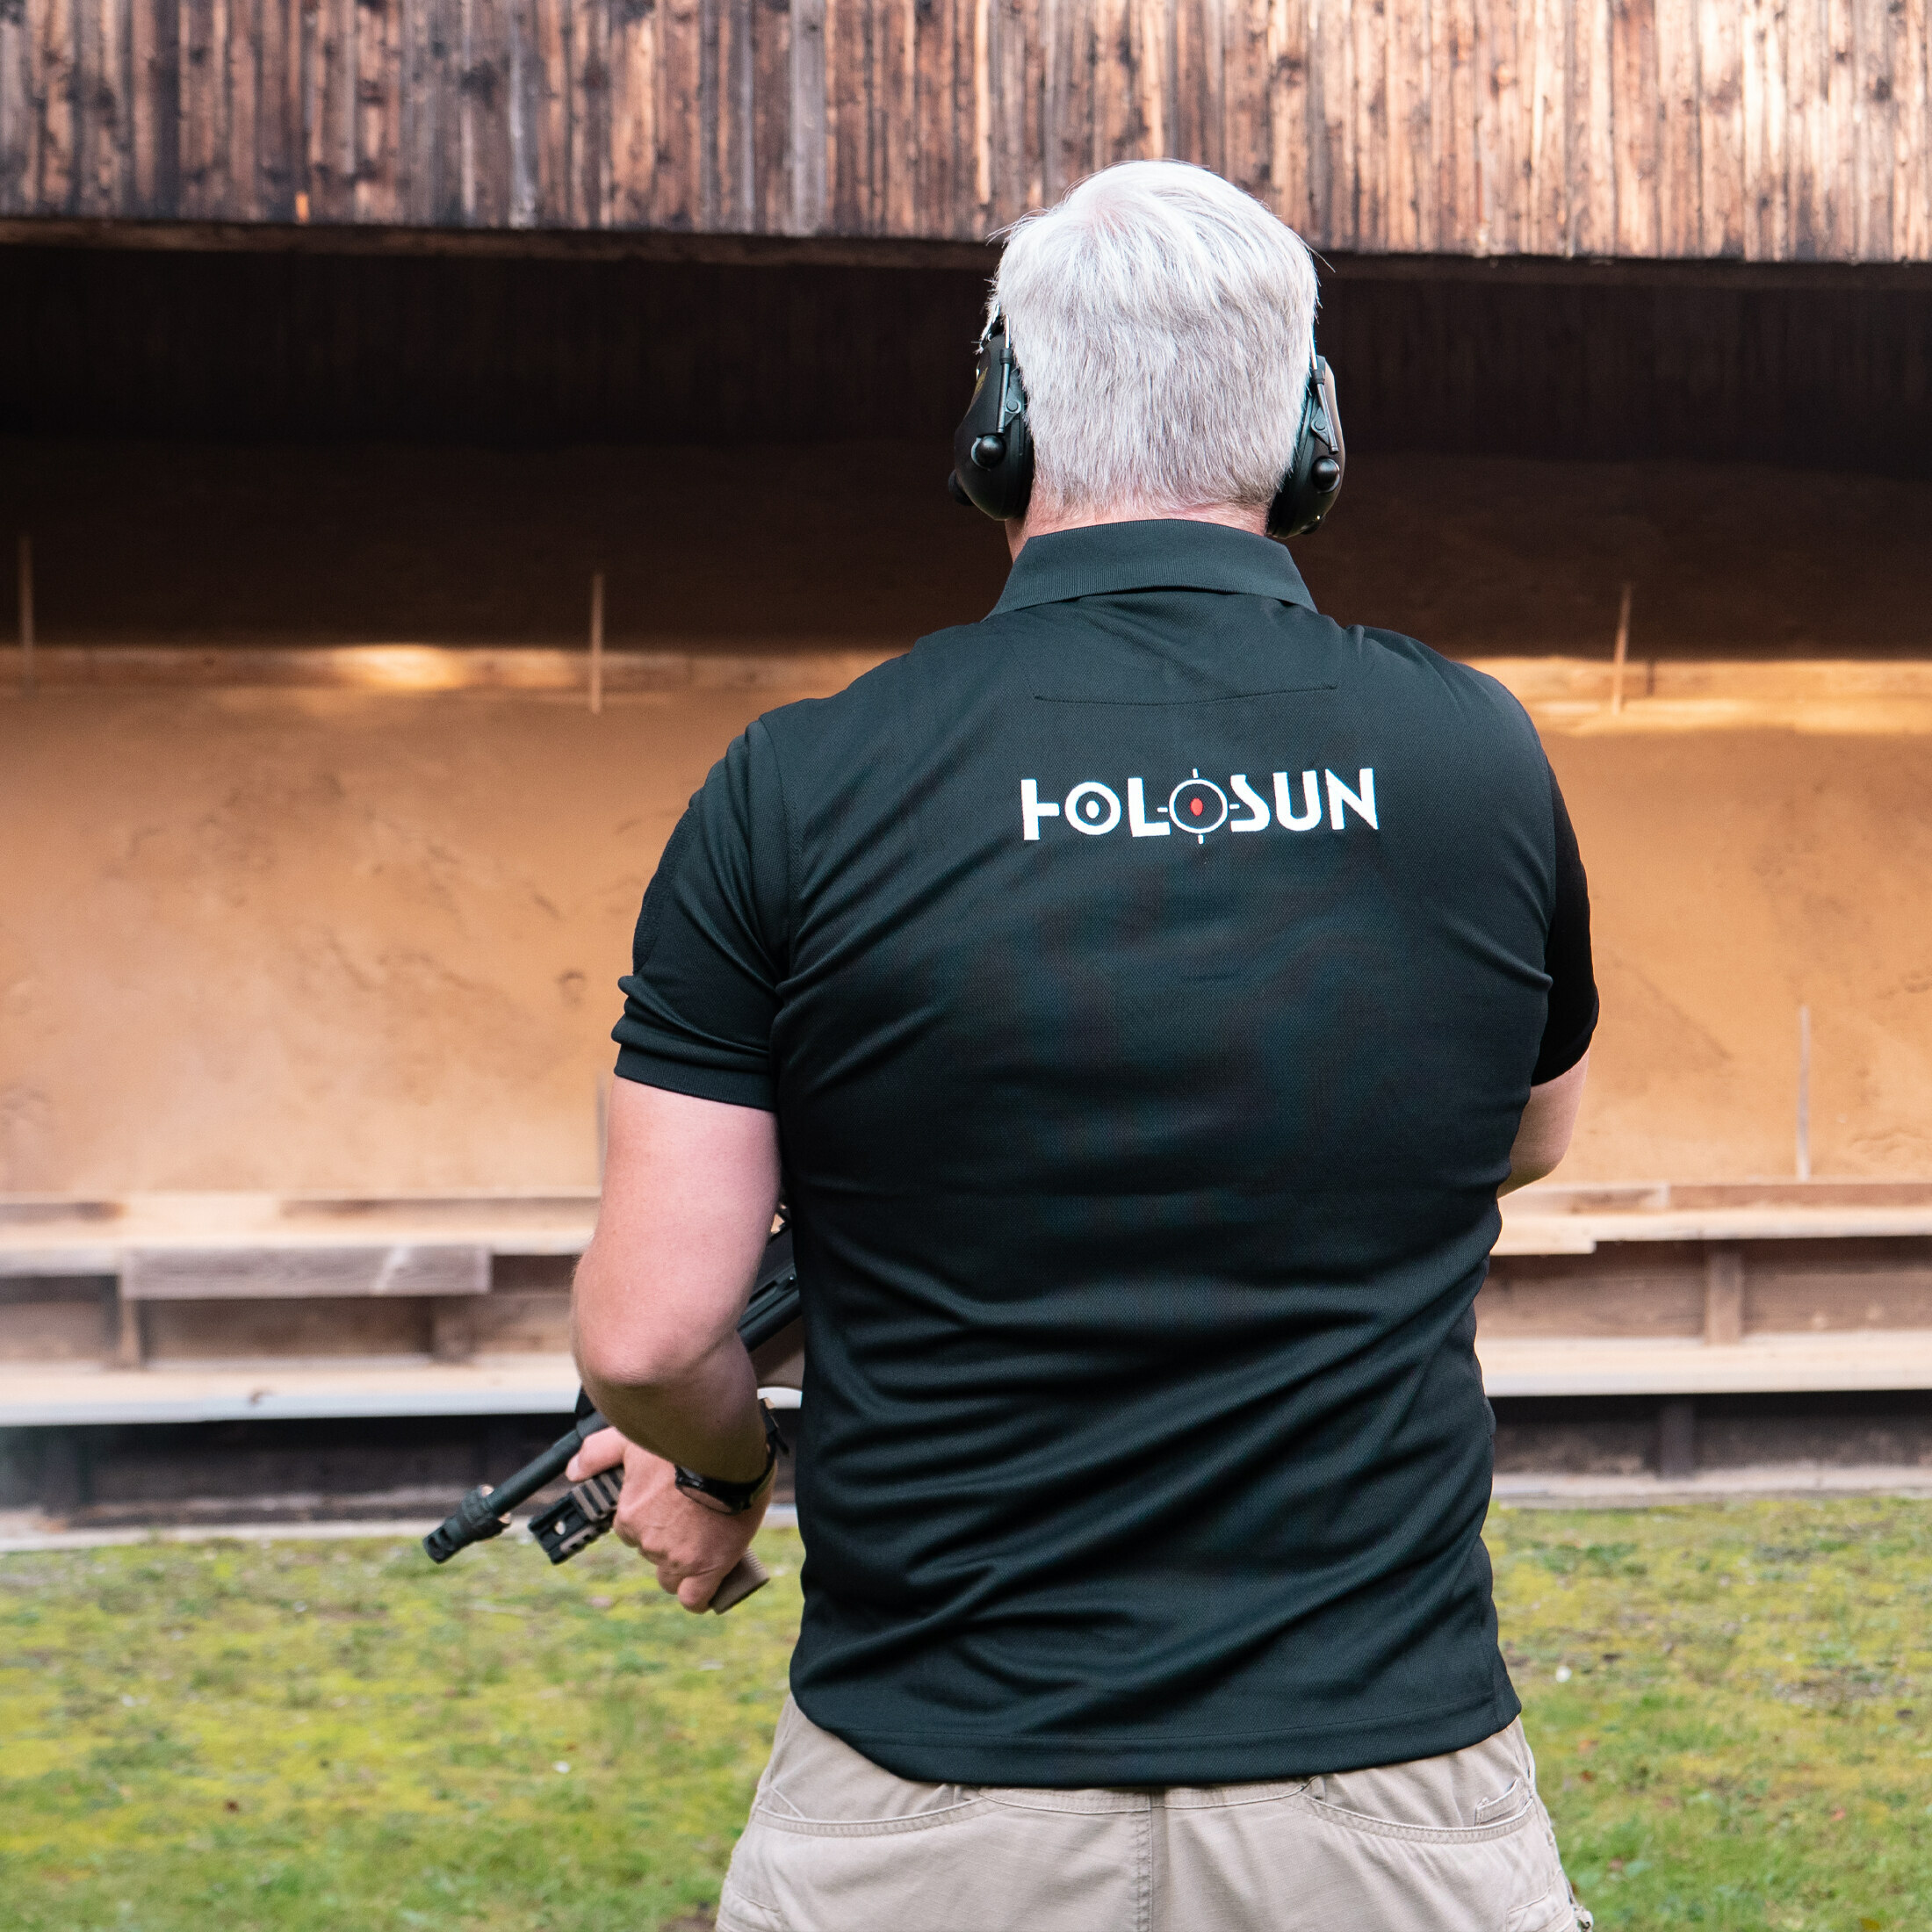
point(1167, 553)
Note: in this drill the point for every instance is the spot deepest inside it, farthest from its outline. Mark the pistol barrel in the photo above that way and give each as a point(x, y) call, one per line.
point(485, 1512)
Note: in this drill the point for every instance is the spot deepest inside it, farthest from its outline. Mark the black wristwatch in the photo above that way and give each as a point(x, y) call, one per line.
point(734, 1498)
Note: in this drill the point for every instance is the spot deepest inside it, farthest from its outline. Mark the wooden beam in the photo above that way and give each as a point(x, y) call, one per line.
point(1620, 652)
point(597, 643)
point(400, 1272)
point(1803, 1136)
point(25, 586)
point(130, 1349)
point(452, 1330)
point(1723, 1294)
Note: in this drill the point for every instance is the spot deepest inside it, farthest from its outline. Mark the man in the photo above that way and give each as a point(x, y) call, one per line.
point(1146, 993)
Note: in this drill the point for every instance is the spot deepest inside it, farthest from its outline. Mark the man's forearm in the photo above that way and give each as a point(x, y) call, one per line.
point(1543, 1134)
point(689, 1188)
point(704, 1416)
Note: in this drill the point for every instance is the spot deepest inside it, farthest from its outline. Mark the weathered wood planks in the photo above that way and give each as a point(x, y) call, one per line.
point(1763, 130)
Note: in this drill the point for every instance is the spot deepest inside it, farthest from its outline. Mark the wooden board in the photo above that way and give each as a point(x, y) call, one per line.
point(46, 1395)
point(398, 1272)
point(1609, 1294)
point(1650, 129)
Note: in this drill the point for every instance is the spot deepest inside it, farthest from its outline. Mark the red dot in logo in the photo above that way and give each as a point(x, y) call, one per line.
point(1195, 806)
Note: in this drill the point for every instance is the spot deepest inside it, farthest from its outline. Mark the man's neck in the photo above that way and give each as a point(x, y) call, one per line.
point(1044, 523)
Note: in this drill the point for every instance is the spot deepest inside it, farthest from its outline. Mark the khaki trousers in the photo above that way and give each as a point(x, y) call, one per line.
point(1459, 1843)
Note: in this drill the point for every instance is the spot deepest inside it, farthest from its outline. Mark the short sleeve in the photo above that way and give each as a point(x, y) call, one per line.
point(1572, 1018)
point(712, 940)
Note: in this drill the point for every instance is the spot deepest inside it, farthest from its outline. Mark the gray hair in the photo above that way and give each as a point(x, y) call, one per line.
point(1163, 323)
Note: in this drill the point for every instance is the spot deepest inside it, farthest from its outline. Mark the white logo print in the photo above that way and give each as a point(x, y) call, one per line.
point(1197, 806)
point(1092, 808)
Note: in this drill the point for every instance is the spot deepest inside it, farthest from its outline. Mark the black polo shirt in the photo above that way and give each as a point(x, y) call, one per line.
point(1147, 981)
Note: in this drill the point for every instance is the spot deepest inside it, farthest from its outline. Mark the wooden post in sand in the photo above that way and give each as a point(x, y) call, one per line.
point(1622, 651)
point(597, 643)
point(27, 615)
point(1803, 1093)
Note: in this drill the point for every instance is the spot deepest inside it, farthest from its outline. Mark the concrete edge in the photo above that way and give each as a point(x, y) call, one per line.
point(780, 1515)
point(1761, 1483)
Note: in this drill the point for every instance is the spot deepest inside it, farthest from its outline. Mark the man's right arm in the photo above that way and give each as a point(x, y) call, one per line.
point(1543, 1136)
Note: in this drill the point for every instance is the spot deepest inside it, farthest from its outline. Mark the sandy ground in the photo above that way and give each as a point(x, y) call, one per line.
point(1733, 877)
point(321, 940)
point(149, 543)
point(338, 940)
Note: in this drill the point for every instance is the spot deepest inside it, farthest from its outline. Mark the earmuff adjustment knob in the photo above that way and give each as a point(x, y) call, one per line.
point(988, 450)
point(1325, 474)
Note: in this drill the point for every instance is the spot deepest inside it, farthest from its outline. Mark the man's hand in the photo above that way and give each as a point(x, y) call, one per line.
point(692, 1547)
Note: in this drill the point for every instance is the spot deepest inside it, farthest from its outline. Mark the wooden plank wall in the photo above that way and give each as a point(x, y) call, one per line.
point(1772, 130)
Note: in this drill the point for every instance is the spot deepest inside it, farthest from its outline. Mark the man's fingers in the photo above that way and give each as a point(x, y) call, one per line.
point(603, 1449)
point(693, 1588)
point(695, 1592)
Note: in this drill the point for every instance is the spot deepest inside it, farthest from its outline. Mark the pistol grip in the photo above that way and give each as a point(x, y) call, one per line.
point(749, 1574)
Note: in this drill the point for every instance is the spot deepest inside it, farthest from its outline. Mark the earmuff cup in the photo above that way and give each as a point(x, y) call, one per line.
point(1314, 480)
point(992, 447)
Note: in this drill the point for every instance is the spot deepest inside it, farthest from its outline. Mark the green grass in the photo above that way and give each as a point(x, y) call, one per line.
point(337, 1735)
point(334, 1735)
point(1731, 1708)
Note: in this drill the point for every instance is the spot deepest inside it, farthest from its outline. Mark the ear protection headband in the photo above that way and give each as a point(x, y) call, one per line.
point(992, 447)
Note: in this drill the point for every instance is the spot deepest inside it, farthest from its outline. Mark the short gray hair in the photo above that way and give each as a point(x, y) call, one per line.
point(1163, 323)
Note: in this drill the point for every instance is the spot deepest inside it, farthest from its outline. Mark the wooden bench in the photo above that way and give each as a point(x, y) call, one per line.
point(1665, 1292)
point(255, 1249)
point(442, 1274)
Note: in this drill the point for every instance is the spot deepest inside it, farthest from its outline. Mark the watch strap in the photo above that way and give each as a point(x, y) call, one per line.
point(735, 1498)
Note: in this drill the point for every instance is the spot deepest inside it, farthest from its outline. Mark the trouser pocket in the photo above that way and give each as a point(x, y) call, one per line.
point(835, 1843)
point(1455, 1843)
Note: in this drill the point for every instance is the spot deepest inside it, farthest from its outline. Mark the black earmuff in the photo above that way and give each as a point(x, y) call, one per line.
point(1314, 480)
point(992, 447)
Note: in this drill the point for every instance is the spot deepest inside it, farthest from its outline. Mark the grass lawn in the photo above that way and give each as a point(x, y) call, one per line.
point(1731, 1707)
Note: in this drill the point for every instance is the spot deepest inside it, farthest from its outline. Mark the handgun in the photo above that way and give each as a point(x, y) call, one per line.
point(768, 1329)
